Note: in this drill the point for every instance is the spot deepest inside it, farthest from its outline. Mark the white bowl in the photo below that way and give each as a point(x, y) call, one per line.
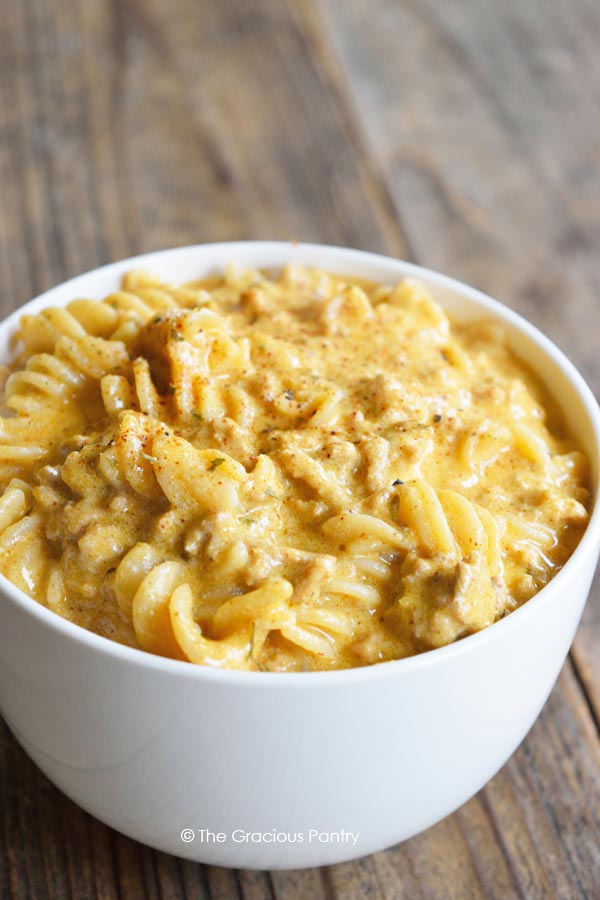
point(154, 747)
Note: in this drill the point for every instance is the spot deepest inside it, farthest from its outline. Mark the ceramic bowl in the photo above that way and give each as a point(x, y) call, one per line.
point(266, 770)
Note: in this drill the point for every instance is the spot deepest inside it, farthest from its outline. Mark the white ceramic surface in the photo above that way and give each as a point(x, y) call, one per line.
point(153, 747)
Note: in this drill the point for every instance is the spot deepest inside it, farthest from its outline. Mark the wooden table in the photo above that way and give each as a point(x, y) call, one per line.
point(463, 134)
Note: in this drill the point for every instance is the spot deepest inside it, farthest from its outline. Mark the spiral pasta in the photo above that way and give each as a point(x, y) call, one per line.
point(279, 473)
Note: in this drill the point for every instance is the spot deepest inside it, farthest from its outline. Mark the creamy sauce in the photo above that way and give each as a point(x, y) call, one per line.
point(290, 473)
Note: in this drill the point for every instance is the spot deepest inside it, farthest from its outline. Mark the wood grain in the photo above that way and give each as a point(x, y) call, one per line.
point(461, 133)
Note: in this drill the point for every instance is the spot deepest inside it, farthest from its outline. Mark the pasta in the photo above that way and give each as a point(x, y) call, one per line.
point(280, 472)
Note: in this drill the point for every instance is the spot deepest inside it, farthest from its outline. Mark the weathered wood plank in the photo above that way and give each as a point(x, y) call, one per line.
point(585, 652)
point(299, 883)
point(164, 137)
point(483, 118)
point(255, 885)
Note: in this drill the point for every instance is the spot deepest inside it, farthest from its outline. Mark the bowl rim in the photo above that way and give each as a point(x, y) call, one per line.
point(586, 549)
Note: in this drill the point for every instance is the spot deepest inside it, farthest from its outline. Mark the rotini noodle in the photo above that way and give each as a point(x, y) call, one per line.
point(279, 473)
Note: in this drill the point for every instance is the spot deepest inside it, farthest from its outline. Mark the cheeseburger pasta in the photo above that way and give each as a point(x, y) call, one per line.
point(287, 474)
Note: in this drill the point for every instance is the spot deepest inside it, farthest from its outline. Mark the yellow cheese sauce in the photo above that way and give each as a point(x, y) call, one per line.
point(283, 472)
